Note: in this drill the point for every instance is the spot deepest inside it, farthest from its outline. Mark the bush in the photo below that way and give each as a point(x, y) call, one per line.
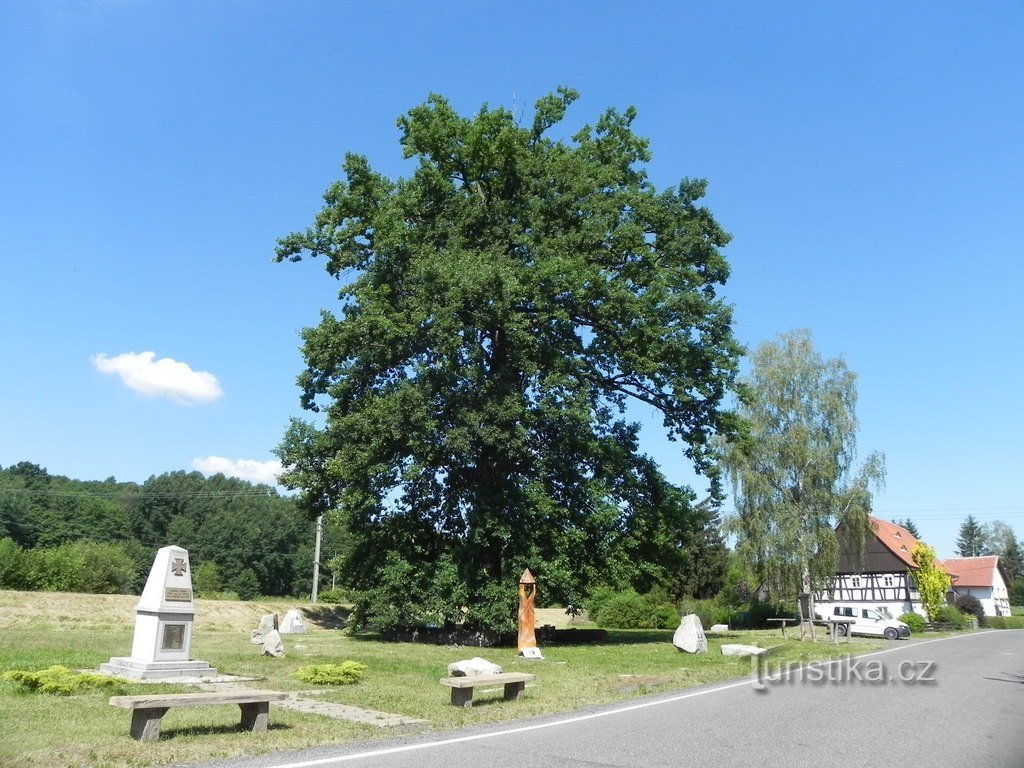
point(629, 610)
point(913, 620)
point(11, 576)
point(206, 579)
point(332, 596)
point(948, 614)
point(1004, 622)
point(60, 681)
point(346, 673)
point(708, 611)
point(82, 566)
point(971, 606)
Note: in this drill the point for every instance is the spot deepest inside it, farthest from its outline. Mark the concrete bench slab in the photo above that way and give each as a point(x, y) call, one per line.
point(462, 687)
point(148, 710)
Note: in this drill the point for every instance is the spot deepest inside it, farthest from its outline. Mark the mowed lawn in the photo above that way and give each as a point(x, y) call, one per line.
point(80, 632)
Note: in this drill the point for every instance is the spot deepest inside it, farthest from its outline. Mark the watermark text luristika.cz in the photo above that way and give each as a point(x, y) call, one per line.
point(849, 670)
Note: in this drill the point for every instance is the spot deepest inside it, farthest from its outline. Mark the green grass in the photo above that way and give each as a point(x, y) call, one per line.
point(400, 678)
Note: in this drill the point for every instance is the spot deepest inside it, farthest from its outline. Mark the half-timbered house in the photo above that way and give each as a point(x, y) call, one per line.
point(881, 577)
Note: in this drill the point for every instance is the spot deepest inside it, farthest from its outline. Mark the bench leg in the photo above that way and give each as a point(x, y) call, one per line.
point(514, 691)
point(255, 716)
point(146, 723)
point(462, 697)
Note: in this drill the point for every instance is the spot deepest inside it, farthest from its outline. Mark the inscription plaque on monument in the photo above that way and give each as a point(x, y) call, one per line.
point(177, 594)
point(174, 637)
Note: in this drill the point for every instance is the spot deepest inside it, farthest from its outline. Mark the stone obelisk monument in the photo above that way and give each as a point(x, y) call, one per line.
point(163, 625)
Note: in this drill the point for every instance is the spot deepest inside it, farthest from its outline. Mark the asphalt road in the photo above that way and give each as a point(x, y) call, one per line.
point(948, 702)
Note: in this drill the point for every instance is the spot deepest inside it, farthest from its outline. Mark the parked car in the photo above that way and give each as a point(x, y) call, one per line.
point(867, 621)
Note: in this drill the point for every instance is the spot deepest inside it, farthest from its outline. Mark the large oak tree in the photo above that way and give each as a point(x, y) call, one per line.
point(499, 309)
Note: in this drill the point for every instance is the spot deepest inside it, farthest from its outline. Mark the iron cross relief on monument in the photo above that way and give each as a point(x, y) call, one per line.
point(178, 566)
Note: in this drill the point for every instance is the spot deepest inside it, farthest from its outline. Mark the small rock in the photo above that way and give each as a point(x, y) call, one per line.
point(474, 666)
point(736, 649)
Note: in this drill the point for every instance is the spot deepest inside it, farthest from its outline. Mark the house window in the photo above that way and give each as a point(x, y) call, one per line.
point(855, 582)
point(888, 581)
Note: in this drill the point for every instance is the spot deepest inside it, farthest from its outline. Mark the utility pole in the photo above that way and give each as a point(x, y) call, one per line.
point(316, 556)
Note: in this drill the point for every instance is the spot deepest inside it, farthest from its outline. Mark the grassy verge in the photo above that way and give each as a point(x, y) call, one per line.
point(83, 730)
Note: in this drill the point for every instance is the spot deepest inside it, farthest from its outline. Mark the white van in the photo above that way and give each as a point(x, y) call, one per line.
point(866, 621)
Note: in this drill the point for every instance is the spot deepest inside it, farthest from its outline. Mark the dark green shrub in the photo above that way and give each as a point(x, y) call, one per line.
point(332, 596)
point(1004, 622)
point(913, 620)
point(971, 606)
point(206, 579)
point(11, 575)
point(708, 611)
point(948, 614)
point(629, 610)
point(246, 584)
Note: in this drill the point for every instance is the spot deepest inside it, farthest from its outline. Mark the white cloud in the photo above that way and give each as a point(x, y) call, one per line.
point(265, 472)
point(160, 378)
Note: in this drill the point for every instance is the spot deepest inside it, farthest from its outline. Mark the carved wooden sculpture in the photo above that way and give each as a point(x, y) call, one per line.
point(527, 595)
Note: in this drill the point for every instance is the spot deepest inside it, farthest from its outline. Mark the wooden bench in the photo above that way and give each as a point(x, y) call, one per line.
point(462, 687)
point(148, 710)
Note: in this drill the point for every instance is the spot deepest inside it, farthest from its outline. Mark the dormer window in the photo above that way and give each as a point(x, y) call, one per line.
point(903, 548)
point(897, 535)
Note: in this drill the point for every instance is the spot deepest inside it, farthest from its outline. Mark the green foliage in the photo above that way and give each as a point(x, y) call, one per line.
point(404, 596)
point(629, 610)
point(970, 605)
point(245, 584)
point(1004, 622)
point(913, 620)
point(81, 566)
point(346, 673)
point(499, 310)
point(948, 614)
point(971, 540)
point(755, 615)
point(932, 582)
point(11, 568)
point(223, 522)
point(708, 611)
point(792, 470)
point(206, 579)
point(909, 525)
point(332, 596)
point(60, 681)
point(1017, 591)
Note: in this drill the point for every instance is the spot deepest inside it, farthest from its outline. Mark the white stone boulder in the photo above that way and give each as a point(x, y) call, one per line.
point(736, 649)
point(690, 635)
point(719, 628)
point(292, 624)
point(471, 667)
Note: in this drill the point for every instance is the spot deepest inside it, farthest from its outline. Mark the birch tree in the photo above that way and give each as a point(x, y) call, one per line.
point(793, 472)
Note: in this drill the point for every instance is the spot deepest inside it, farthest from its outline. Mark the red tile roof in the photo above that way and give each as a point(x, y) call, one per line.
point(972, 571)
point(896, 539)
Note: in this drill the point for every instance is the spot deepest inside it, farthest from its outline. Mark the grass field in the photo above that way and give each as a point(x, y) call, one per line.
point(38, 630)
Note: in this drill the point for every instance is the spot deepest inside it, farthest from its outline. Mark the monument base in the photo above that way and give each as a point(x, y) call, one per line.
point(137, 669)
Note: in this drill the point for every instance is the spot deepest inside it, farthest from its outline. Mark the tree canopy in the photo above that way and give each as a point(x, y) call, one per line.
point(499, 309)
point(258, 539)
point(792, 471)
point(971, 540)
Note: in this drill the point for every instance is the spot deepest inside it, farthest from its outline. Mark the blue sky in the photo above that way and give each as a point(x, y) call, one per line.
point(866, 157)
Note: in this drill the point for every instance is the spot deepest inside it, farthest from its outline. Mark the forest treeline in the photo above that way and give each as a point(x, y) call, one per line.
point(62, 534)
